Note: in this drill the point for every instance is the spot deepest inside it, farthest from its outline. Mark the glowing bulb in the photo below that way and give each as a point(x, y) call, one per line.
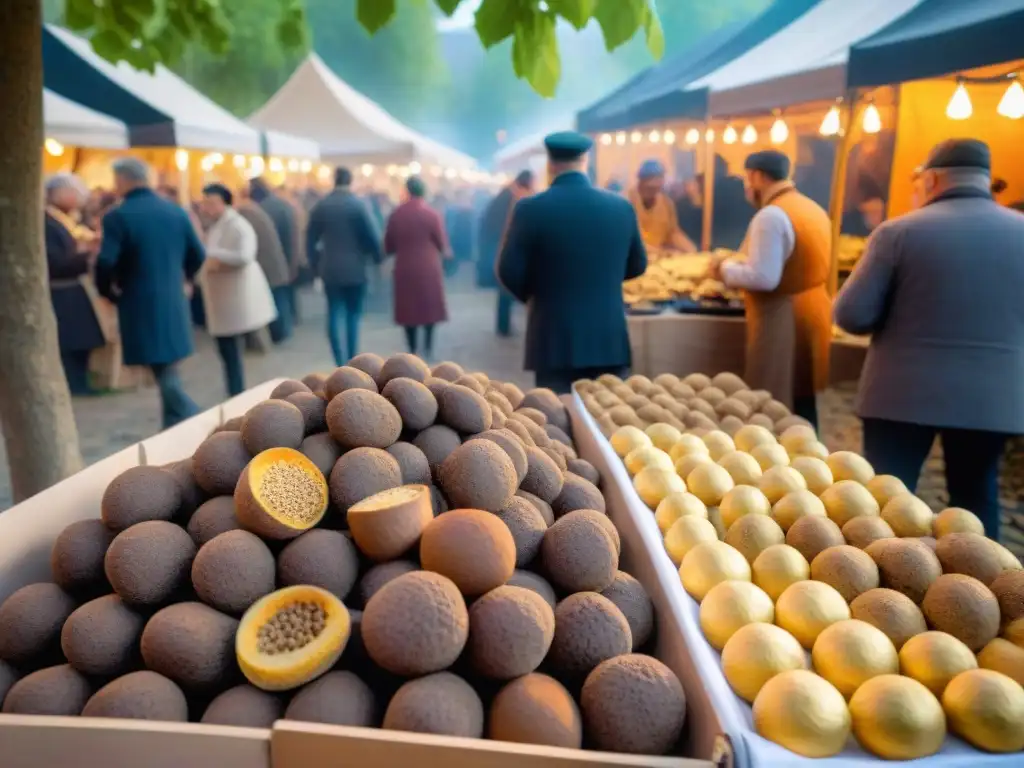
point(306, 166)
point(959, 107)
point(692, 136)
point(216, 158)
point(636, 137)
point(415, 167)
point(654, 137)
point(606, 139)
point(830, 125)
point(1012, 103)
point(729, 136)
point(181, 159)
point(669, 137)
point(367, 169)
point(872, 120)
point(404, 172)
point(392, 170)
point(451, 173)
point(257, 165)
point(207, 163)
point(709, 135)
point(53, 147)
point(749, 134)
point(620, 138)
point(238, 161)
point(779, 132)
point(323, 172)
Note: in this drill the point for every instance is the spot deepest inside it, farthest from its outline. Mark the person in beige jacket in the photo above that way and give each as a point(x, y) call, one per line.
point(236, 294)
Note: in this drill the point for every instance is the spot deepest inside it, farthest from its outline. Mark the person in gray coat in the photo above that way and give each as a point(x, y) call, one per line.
point(341, 241)
point(939, 291)
point(284, 219)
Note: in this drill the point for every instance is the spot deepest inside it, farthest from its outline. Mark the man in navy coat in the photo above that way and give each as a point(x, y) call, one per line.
point(150, 249)
point(567, 253)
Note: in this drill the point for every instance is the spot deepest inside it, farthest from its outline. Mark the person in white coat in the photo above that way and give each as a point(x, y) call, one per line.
point(236, 294)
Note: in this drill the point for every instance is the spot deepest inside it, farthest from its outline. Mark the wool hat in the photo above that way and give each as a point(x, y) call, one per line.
point(650, 169)
point(959, 153)
point(769, 161)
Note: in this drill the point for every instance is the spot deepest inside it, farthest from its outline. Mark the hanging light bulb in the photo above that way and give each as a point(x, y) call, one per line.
point(392, 170)
point(654, 137)
point(620, 138)
point(779, 132)
point(830, 125)
point(53, 147)
point(606, 139)
point(729, 136)
point(323, 172)
point(669, 137)
point(367, 169)
point(415, 168)
point(692, 136)
point(207, 163)
point(306, 166)
point(181, 159)
point(217, 158)
point(257, 165)
point(749, 134)
point(238, 161)
point(959, 107)
point(636, 137)
point(872, 122)
point(1012, 103)
point(709, 135)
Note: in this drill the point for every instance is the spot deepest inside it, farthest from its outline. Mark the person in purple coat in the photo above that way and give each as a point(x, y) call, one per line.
point(415, 236)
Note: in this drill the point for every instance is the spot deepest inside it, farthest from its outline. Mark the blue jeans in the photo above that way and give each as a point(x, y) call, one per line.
point(230, 350)
point(505, 304)
point(972, 462)
point(176, 405)
point(76, 370)
point(344, 302)
point(281, 328)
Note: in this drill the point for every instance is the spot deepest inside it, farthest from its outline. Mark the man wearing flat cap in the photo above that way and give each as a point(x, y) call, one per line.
point(659, 225)
point(939, 290)
point(784, 279)
point(566, 254)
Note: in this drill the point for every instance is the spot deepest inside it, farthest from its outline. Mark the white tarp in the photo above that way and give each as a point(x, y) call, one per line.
point(78, 126)
point(199, 123)
point(291, 146)
point(803, 62)
point(348, 126)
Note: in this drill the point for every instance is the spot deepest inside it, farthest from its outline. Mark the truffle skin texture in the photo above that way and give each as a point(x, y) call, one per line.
point(471, 547)
point(233, 571)
point(348, 377)
point(76, 559)
point(542, 506)
point(313, 410)
point(147, 563)
point(360, 473)
point(509, 443)
point(289, 387)
point(511, 629)
point(413, 462)
point(478, 475)
point(8, 677)
point(218, 463)
point(589, 629)
point(357, 418)
point(578, 553)
point(140, 696)
point(192, 644)
point(963, 607)
point(631, 598)
point(464, 410)
point(244, 706)
point(415, 403)
point(416, 624)
point(527, 527)
point(52, 691)
point(633, 704)
point(536, 709)
point(191, 494)
point(368, 362)
point(530, 580)
point(139, 494)
point(447, 370)
point(101, 638)
point(31, 619)
point(906, 565)
point(402, 364)
point(321, 558)
point(213, 518)
point(337, 698)
point(322, 450)
point(442, 704)
point(584, 469)
point(437, 442)
point(382, 574)
point(543, 477)
point(577, 493)
point(272, 424)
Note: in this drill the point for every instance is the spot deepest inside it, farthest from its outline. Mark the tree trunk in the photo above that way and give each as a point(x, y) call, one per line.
point(35, 404)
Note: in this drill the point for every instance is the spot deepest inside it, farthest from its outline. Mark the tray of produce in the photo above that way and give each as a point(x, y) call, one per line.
point(388, 546)
point(832, 615)
point(710, 306)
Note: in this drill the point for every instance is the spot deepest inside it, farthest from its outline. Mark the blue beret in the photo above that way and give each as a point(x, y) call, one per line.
point(960, 153)
point(567, 145)
point(769, 161)
point(650, 169)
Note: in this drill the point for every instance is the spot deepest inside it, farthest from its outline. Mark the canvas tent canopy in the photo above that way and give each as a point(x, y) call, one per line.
point(77, 126)
point(348, 126)
point(287, 145)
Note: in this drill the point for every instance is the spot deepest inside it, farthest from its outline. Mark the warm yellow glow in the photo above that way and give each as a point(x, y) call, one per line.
point(437, 171)
point(872, 119)
point(257, 165)
point(392, 170)
point(729, 136)
point(654, 137)
point(636, 137)
point(238, 161)
point(620, 138)
point(709, 135)
point(404, 172)
point(749, 134)
point(276, 166)
point(779, 132)
point(959, 107)
point(181, 159)
point(451, 173)
point(306, 166)
point(692, 136)
point(216, 158)
point(207, 163)
point(324, 172)
point(1012, 103)
point(415, 167)
point(53, 147)
point(367, 169)
point(293, 166)
point(830, 125)
point(606, 139)
point(669, 137)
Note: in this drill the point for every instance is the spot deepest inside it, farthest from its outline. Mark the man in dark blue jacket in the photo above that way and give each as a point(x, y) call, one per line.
point(567, 253)
point(150, 250)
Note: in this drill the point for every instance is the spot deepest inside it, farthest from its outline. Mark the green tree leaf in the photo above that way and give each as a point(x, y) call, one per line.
point(654, 33)
point(112, 44)
point(448, 7)
point(79, 14)
point(496, 20)
point(374, 14)
point(619, 20)
point(535, 53)
point(576, 12)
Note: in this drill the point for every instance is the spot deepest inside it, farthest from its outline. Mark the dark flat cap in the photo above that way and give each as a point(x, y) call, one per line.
point(769, 161)
point(960, 153)
point(650, 169)
point(567, 145)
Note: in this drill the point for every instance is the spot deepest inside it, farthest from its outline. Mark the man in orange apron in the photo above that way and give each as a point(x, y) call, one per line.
point(785, 277)
point(655, 212)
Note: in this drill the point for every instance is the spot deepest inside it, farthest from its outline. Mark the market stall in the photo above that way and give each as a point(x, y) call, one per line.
point(68, 124)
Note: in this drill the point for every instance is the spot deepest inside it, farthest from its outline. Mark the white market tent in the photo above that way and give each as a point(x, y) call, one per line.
point(288, 145)
point(74, 125)
point(348, 126)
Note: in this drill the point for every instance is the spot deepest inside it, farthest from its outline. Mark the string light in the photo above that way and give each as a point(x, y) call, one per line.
point(238, 161)
point(606, 139)
point(749, 134)
point(1012, 103)
point(306, 166)
point(654, 137)
point(367, 169)
point(830, 125)
point(181, 159)
point(323, 173)
point(257, 165)
point(669, 137)
point(709, 135)
point(620, 138)
point(53, 147)
point(872, 122)
point(636, 137)
point(959, 107)
point(729, 136)
point(392, 170)
point(451, 173)
point(692, 136)
point(415, 167)
point(207, 163)
point(779, 131)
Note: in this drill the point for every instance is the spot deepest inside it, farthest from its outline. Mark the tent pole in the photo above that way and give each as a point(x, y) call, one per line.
point(708, 213)
point(837, 201)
